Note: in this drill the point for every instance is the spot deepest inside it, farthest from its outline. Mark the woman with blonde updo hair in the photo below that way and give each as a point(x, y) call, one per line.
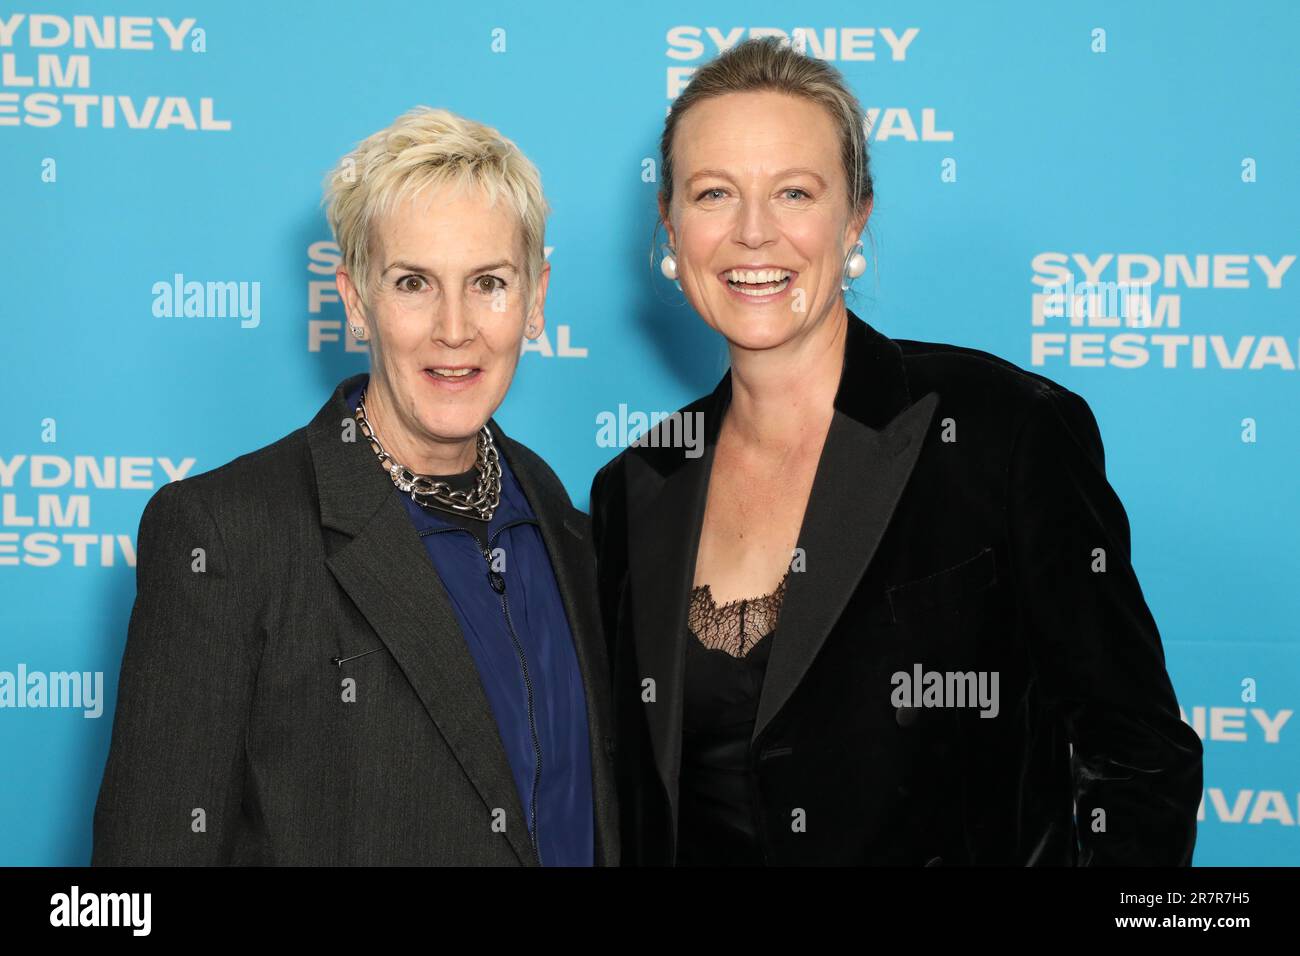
point(864, 626)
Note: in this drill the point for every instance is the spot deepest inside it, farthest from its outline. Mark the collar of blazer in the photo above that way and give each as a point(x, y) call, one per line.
point(871, 448)
point(386, 572)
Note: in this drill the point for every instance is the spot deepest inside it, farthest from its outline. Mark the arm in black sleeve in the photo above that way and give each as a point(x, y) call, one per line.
point(174, 777)
point(1094, 645)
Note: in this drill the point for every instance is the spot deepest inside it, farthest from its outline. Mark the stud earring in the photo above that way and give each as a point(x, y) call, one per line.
point(358, 331)
point(854, 265)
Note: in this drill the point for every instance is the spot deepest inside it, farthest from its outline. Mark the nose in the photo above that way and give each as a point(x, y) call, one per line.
point(755, 226)
point(453, 323)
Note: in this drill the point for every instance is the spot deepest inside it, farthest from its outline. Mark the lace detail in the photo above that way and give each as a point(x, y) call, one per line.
point(734, 627)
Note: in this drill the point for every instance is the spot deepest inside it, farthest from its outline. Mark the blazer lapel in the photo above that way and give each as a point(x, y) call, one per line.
point(872, 446)
point(386, 572)
point(569, 549)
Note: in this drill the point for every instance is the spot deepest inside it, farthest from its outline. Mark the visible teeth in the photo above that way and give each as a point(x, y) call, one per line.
point(452, 372)
point(759, 277)
point(765, 290)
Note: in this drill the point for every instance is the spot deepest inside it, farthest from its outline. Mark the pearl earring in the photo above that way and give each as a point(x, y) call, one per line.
point(668, 266)
point(854, 265)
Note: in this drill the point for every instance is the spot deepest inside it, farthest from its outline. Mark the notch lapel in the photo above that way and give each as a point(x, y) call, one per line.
point(386, 572)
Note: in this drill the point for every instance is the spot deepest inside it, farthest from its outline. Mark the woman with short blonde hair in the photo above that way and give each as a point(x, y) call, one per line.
point(394, 654)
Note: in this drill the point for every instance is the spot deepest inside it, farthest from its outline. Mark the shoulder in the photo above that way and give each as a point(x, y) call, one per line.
point(1027, 416)
point(989, 388)
point(253, 491)
point(272, 473)
point(959, 370)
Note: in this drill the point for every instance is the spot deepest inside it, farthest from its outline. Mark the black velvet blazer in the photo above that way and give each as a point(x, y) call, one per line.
point(960, 523)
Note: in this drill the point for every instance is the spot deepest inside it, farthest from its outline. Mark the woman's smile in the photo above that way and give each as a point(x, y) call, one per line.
point(453, 378)
point(759, 285)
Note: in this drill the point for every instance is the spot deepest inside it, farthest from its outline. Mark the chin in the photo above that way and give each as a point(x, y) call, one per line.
point(458, 413)
point(756, 331)
point(445, 425)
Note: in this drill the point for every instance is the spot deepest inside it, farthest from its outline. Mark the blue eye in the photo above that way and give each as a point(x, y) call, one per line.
point(714, 189)
point(796, 189)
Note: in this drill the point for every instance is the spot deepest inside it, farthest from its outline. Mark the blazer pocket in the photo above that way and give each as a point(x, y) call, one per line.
point(937, 591)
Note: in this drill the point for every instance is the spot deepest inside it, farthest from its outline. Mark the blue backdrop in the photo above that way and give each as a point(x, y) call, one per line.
point(1016, 145)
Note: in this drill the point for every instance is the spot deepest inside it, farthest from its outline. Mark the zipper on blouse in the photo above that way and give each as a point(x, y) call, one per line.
point(497, 581)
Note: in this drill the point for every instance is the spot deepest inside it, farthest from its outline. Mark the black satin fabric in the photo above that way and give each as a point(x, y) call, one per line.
point(717, 823)
point(959, 512)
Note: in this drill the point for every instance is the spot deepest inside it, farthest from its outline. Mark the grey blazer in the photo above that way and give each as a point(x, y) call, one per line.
point(233, 742)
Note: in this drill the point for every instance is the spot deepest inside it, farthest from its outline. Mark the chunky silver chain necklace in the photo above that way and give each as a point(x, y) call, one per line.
point(480, 502)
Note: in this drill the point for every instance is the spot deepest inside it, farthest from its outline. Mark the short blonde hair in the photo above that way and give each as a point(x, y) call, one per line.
point(430, 147)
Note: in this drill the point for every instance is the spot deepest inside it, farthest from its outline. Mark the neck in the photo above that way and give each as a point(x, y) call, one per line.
point(785, 396)
point(420, 455)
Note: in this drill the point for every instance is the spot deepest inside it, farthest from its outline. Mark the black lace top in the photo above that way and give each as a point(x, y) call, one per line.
point(727, 650)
